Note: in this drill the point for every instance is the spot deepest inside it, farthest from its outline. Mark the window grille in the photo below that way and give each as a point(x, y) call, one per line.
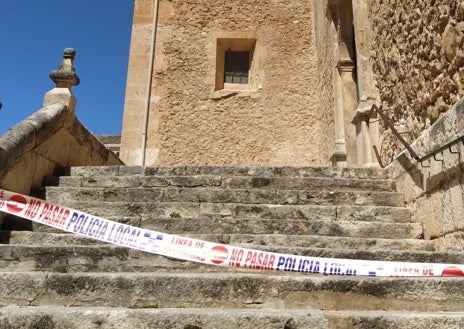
point(237, 66)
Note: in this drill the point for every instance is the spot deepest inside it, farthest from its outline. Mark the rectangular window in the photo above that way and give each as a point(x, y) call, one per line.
point(236, 67)
point(234, 63)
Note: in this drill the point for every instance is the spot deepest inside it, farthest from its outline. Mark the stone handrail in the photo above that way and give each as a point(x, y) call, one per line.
point(49, 138)
point(378, 109)
point(447, 146)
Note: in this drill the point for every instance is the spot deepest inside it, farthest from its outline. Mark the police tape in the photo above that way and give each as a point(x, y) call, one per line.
point(174, 246)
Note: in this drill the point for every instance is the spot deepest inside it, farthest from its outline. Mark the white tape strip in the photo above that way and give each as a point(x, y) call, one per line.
point(169, 245)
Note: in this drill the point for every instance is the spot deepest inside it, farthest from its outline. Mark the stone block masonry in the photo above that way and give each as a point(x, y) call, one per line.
point(418, 63)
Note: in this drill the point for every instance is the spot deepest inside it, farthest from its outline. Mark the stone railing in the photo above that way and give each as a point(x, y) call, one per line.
point(434, 185)
point(51, 137)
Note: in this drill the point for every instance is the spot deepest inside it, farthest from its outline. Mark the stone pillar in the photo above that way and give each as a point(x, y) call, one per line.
point(344, 153)
point(366, 131)
point(338, 158)
point(64, 77)
point(339, 152)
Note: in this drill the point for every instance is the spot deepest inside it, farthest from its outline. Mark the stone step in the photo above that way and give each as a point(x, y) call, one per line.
point(344, 228)
point(231, 290)
point(327, 172)
point(110, 258)
point(16, 317)
point(61, 195)
point(255, 226)
point(301, 240)
point(239, 182)
point(176, 210)
point(43, 238)
point(395, 320)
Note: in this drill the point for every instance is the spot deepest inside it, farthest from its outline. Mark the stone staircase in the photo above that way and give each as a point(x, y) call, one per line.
point(50, 279)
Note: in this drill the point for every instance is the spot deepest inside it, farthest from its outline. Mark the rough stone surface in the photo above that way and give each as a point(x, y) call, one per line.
point(14, 317)
point(218, 195)
point(393, 320)
point(216, 181)
point(230, 290)
point(154, 318)
point(418, 63)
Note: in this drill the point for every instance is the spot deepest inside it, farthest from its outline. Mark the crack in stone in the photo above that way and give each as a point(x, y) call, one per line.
point(43, 289)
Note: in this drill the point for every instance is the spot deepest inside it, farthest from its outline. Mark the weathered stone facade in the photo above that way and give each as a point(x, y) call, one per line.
point(317, 68)
point(280, 118)
point(418, 57)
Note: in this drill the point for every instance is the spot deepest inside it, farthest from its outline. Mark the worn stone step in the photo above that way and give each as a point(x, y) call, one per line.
point(231, 290)
point(297, 239)
point(110, 258)
point(60, 195)
point(328, 172)
point(175, 210)
point(394, 320)
point(239, 182)
point(345, 228)
point(319, 241)
point(17, 317)
point(44, 238)
point(230, 225)
point(14, 317)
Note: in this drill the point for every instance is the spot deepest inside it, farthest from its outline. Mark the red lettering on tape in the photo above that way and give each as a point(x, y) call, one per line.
point(236, 257)
point(259, 260)
point(53, 215)
point(32, 209)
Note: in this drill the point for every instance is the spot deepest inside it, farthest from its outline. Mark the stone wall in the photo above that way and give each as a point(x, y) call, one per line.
point(279, 119)
point(418, 57)
point(434, 190)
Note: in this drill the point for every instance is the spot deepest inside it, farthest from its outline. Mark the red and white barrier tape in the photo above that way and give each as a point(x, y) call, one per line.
point(205, 252)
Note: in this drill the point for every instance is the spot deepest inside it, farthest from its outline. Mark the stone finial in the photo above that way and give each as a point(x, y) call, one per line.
point(65, 76)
